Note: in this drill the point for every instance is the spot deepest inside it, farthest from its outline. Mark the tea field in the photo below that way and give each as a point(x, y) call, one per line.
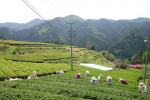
point(66, 87)
point(20, 61)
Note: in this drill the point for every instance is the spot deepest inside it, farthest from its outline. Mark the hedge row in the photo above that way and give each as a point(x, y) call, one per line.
point(40, 57)
point(81, 88)
point(24, 69)
point(80, 49)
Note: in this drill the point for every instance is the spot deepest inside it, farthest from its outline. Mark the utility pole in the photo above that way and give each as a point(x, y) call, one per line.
point(119, 59)
point(29, 47)
point(17, 35)
point(4, 46)
point(147, 41)
point(71, 33)
point(54, 54)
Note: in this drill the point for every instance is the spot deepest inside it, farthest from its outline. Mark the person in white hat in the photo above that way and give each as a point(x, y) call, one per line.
point(109, 82)
point(78, 75)
point(87, 74)
point(100, 78)
point(93, 80)
point(33, 76)
point(142, 89)
point(123, 81)
point(57, 72)
point(61, 73)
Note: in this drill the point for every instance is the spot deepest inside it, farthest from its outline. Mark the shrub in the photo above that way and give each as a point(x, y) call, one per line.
point(122, 65)
point(18, 49)
point(19, 52)
point(14, 52)
point(23, 53)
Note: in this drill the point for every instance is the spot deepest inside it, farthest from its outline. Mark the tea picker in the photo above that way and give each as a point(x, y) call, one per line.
point(109, 82)
point(87, 74)
point(57, 72)
point(61, 73)
point(93, 80)
point(78, 75)
point(33, 76)
point(100, 78)
point(123, 81)
point(142, 89)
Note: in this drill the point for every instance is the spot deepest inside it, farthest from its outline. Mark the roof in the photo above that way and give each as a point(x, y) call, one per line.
point(137, 65)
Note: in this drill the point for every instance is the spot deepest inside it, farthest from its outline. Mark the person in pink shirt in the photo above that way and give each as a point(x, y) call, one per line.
point(78, 75)
point(123, 81)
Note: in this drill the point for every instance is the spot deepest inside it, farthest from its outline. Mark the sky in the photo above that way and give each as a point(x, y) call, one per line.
point(17, 11)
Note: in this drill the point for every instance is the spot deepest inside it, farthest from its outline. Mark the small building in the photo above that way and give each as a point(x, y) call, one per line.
point(137, 66)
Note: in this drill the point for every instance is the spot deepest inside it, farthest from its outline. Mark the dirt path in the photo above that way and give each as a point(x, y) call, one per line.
point(77, 53)
point(111, 63)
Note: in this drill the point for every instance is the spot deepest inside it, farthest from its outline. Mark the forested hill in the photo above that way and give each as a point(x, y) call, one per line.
point(103, 33)
point(21, 26)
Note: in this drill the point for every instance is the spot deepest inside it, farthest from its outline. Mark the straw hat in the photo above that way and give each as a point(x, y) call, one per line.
point(87, 71)
point(101, 75)
point(61, 71)
point(108, 77)
point(79, 73)
point(120, 79)
point(141, 85)
point(94, 78)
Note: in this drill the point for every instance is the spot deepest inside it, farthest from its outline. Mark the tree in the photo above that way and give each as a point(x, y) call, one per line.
point(135, 59)
point(88, 45)
point(1, 37)
point(127, 61)
point(92, 48)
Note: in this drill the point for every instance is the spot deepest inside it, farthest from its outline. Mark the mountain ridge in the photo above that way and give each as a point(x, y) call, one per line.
point(103, 32)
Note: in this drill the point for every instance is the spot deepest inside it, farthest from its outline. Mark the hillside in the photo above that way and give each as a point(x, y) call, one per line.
point(102, 33)
point(21, 26)
point(21, 51)
point(21, 59)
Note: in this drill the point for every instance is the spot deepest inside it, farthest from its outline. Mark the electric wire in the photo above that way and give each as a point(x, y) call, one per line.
point(50, 7)
point(56, 12)
point(55, 7)
point(31, 7)
point(62, 9)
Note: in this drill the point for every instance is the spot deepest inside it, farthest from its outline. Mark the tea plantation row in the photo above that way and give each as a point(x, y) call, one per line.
point(24, 69)
point(69, 87)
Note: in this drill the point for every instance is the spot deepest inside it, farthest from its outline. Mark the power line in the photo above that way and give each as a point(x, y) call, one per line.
point(50, 7)
point(54, 10)
point(30, 6)
point(61, 8)
point(54, 7)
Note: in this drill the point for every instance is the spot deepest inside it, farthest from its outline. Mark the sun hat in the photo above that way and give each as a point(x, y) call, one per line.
point(120, 79)
point(61, 71)
point(87, 71)
point(108, 77)
point(79, 73)
point(101, 75)
point(141, 85)
point(34, 73)
point(94, 78)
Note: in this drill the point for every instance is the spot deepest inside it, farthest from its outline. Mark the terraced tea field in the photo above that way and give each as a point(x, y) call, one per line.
point(67, 88)
point(46, 59)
